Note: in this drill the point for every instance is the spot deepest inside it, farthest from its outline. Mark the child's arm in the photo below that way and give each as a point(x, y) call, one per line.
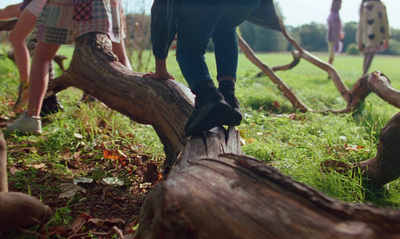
point(11, 11)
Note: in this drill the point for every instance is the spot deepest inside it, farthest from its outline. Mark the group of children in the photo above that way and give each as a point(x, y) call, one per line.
point(194, 22)
point(372, 34)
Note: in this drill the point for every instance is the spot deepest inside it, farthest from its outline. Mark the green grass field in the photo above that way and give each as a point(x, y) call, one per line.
point(273, 131)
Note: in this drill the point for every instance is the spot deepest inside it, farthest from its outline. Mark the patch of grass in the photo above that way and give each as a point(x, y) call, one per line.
point(296, 143)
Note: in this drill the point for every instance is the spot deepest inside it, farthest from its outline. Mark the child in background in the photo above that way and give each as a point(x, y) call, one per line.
point(373, 30)
point(60, 22)
point(335, 34)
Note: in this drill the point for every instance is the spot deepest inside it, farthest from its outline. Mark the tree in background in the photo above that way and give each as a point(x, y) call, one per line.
point(138, 40)
point(138, 33)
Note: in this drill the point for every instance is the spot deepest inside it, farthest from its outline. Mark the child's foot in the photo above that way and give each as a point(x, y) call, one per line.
point(26, 125)
point(208, 116)
point(227, 89)
point(23, 92)
point(236, 114)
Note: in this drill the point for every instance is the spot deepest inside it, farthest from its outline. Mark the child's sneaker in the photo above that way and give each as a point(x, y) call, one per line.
point(22, 95)
point(26, 125)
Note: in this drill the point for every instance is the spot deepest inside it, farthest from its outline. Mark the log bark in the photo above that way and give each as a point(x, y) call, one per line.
point(375, 82)
point(163, 104)
point(209, 194)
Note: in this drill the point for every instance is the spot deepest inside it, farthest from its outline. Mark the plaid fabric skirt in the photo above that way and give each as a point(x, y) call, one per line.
point(61, 21)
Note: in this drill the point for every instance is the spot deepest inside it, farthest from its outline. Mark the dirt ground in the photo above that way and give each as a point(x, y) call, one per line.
point(95, 210)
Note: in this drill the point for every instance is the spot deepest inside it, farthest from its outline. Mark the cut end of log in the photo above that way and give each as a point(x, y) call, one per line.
point(20, 210)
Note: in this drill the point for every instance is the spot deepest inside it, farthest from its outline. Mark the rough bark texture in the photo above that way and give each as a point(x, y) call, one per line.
point(164, 104)
point(211, 194)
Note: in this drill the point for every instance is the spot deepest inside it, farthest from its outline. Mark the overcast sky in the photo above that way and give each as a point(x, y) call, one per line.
point(298, 12)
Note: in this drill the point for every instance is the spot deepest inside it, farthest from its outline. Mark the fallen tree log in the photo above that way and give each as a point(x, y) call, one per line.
point(377, 83)
point(164, 104)
point(213, 190)
point(246, 198)
point(211, 194)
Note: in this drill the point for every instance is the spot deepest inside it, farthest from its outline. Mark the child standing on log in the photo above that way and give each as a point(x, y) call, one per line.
point(60, 22)
point(195, 22)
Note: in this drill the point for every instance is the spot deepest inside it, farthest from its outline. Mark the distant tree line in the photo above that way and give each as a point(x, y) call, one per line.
point(311, 37)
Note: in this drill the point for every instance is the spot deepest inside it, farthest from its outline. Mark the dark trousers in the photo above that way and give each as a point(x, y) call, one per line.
point(200, 20)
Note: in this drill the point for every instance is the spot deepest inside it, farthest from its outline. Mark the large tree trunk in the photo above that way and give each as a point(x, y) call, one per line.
point(211, 194)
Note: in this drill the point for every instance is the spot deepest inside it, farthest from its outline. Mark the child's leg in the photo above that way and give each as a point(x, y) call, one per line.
point(119, 50)
point(44, 54)
point(11, 11)
point(368, 57)
point(26, 22)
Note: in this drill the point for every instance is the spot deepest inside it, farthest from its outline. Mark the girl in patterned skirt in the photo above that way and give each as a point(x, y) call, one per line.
point(60, 22)
point(373, 30)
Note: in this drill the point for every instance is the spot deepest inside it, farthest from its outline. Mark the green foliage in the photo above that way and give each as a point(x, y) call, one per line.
point(352, 49)
point(262, 39)
point(393, 48)
point(312, 36)
point(350, 30)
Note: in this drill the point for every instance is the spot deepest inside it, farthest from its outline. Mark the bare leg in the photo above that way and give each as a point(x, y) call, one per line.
point(368, 57)
point(26, 22)
point(40, 75)
point(119, 50)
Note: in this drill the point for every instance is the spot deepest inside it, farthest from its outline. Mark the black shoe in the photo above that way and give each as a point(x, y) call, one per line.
point(208, 116)
point(51, 106)
point(236, 114)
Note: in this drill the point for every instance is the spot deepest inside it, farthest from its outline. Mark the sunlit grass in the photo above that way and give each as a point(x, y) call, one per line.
point(295, 143)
